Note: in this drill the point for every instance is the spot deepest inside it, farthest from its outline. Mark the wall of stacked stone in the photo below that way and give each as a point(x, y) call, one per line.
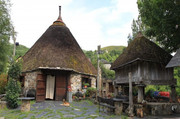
point(93, 82)
point(30, 81)
point(76, 82)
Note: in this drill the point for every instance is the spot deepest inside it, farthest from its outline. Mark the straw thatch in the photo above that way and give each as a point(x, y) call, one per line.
point(175, 61)
point(142, 49)
point(57, 49)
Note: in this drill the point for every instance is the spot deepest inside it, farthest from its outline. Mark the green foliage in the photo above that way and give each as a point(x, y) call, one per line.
point(13, 87)
point(106, 73)
point(152, 88)
point(177, 76)
point(92, 55)
point(162, 18)
point(110, 54)
point(90, 91)
point(15, 70)
point(110, 48)
point(20, 50)
point(5, 33)
point(137, 26)
point(149, 90)
point(12, 93)
point(85, 84)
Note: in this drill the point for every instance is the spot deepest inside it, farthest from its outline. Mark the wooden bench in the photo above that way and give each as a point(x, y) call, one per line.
point(104, 102)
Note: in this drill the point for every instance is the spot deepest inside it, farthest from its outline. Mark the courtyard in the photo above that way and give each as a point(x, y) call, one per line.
point(77, 110)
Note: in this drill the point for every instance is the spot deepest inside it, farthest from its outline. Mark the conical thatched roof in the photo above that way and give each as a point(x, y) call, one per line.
point(142, 49)
point(175, 61)
point(57, 49)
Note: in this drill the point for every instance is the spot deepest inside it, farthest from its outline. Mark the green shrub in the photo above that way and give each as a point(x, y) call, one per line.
point(149, 90)
point(15, 70)
point(177, 76)
point(13, 87)
point(12, 93)
point(90, 91)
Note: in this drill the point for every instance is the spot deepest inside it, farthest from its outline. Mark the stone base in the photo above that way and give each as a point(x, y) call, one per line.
point(119, 108)
point(3, 104)
point(139, 110)
point(25, 106)
point(163, 108)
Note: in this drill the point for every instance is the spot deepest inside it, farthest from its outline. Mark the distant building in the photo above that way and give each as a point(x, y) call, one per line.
point(56, 65)
point(106, 64)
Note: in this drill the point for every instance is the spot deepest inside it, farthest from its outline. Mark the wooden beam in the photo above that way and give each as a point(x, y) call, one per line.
point(140, 94)
point(130, 95)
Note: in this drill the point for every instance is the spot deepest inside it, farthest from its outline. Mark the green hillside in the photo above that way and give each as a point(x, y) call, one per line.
point(117, 48)
point(20, 50)
point(110, 56)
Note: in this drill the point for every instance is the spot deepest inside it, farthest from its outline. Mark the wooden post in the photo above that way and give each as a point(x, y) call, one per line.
point(107, 88)
point(173, 93)
point(140, 93)
point(130, 96)
point(99, 82)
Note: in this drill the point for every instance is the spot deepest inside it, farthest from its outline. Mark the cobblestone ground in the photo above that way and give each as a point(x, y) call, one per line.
point(54, 110)
point(77, 110)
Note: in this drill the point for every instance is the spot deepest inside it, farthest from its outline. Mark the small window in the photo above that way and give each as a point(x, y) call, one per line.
point(86, 82)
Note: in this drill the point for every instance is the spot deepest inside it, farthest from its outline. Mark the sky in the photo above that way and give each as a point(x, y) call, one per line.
point(92, 22)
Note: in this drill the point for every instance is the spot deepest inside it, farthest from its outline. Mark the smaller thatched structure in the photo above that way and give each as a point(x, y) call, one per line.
point(175, 61)
point(147, 63)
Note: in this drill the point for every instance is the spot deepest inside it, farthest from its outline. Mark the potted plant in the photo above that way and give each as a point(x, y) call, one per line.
point(86, 85)
point(73, 97)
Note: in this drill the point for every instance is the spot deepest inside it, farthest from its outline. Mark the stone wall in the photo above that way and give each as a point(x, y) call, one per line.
point(30, 81)
point(76, 82)
point(93, 82)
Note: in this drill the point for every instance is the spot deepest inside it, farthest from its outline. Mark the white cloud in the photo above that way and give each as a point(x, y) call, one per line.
point(105, 25)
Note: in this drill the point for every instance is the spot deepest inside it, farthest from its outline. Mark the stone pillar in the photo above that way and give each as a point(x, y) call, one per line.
point(115, 90)
point(3, 104)
point(25, 106)
point(118, 107)
point(140, 93)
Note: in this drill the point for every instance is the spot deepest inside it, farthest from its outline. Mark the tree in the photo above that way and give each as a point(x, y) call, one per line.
point(163, 19)
point(137, 26)
point(5, 33)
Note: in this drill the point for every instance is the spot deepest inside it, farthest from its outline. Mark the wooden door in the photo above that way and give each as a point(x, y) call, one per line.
point(61, 86)
point(40, 88)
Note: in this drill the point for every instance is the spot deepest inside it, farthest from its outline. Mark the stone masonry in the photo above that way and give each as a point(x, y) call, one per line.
point(30, 81)
point(76, 82)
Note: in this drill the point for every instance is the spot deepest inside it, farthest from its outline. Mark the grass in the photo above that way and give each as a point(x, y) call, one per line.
point(110, 48)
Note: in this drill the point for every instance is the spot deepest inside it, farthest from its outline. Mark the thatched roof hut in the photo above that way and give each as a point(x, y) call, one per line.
point(57, 49)
point(142, 49)
point(175, 61)
point(55, 65)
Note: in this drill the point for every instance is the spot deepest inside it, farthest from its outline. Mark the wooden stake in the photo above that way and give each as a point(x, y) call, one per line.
point(130, 96)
